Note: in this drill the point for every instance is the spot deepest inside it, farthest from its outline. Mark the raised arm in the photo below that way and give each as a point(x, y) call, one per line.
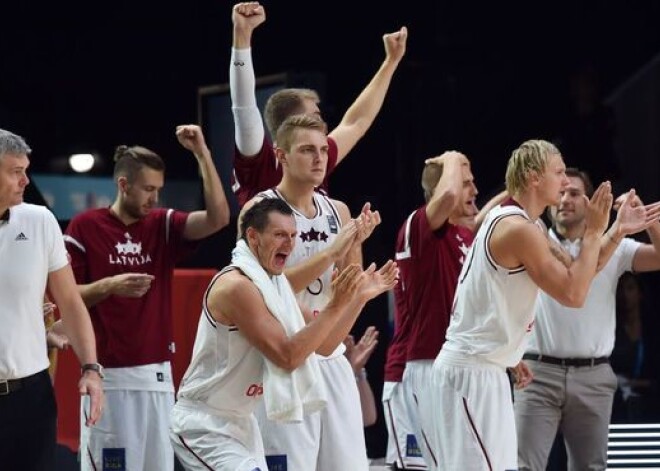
point(361, 114)
point(203, 223)
point(447, 193)
point(248, 126)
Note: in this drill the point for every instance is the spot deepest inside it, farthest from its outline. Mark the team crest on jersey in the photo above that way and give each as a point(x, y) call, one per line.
point(114, 459)
point(129, 253)
point(332, 223)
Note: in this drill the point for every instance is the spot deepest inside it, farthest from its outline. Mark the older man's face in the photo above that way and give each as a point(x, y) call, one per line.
point(13, 179)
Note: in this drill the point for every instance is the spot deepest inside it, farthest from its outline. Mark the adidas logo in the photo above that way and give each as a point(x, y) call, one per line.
point(21, 236)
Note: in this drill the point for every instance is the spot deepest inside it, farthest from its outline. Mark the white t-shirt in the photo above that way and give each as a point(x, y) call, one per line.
point(31, 246)
point(586, 332)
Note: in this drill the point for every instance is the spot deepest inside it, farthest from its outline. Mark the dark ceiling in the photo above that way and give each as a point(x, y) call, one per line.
point(478, 76)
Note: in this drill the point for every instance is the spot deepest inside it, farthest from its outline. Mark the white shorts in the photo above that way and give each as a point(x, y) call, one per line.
point(473, 427)
point(132, 432)
point(416, 385)
point(402, 447)
point(329, 440)
point(203, 440)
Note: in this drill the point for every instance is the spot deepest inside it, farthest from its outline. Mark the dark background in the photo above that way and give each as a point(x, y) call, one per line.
point(479, 77)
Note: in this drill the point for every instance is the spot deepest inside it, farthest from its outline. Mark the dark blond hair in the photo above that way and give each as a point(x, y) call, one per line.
point(530, 158)
point(286, 132)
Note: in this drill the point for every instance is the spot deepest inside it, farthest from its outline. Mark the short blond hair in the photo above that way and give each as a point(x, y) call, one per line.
point(531, 157)
point(286, 132)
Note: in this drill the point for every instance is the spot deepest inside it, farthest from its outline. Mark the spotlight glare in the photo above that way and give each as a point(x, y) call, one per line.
point(81, 163)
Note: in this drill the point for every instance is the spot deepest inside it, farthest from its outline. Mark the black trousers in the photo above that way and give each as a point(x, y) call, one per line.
point(28, 427)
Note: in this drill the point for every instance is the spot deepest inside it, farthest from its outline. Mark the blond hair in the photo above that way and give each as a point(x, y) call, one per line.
point(530, 158)
point(286, 132)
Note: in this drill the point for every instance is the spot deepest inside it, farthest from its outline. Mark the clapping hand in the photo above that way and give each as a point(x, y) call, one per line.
point(632, 215)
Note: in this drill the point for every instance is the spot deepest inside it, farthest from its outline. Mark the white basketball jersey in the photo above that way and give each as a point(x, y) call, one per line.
point(315, 234)
point(226, 371)
point(494, 306)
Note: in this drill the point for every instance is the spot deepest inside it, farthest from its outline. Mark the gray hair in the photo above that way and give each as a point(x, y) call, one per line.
point(11, 143)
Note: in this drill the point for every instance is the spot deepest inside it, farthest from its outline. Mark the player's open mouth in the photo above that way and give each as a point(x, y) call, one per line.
point(280, 258)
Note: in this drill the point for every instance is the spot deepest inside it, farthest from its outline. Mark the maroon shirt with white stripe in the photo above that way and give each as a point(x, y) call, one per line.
point(436, 259)
point(397, 350)
point(130, 331)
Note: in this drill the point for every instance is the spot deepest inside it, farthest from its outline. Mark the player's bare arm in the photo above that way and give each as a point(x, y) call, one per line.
point(559, 253)
point(365, 223)
point(517, 241)
point(629, 206)
point(203, 223)
point(447, 192)
point(128, 285)
point(375, 282)
point(362, 113)
point(304, 273)
point(78, 326)
point(235, 300)
point(490, 204)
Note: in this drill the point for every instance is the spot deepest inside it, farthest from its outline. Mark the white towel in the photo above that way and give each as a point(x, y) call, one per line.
point(288, 396)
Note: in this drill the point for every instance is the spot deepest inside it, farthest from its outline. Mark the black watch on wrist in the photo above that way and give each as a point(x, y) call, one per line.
point(93, 367)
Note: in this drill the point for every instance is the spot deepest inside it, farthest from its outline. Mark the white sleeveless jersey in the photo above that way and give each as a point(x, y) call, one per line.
point(315, 234)
point(494, 306)
point(226, 371)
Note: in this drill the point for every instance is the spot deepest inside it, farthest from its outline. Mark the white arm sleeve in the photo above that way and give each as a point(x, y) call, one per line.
point(248, 126)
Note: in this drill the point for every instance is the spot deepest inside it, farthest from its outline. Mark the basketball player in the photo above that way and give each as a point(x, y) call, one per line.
point(213, 425)
point(470, 422)
point(123, 258)
point(333, 438)
point(255, 165)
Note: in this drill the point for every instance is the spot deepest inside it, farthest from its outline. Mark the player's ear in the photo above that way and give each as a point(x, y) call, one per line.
point(280, 155)
point(122, 184)
point(251, 234)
